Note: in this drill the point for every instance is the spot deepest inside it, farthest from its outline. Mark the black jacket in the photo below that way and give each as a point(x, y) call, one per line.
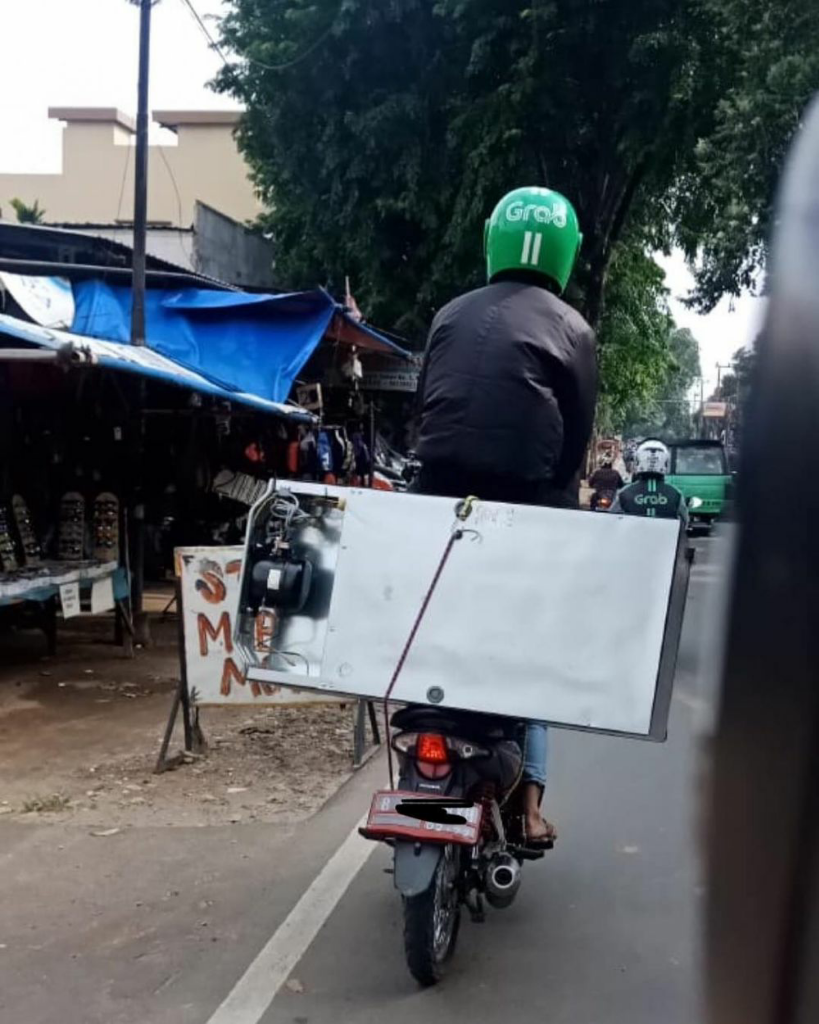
point(508, 385)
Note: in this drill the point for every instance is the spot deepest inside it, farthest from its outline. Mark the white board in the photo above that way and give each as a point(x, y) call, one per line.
point(215, 667)
point(539, 613)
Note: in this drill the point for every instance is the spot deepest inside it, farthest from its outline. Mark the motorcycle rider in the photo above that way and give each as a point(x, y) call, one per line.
point(604, 479)
point(507, 391)
point(649, 495)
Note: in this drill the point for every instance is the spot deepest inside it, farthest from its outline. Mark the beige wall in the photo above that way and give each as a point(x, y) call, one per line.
point(96, 185)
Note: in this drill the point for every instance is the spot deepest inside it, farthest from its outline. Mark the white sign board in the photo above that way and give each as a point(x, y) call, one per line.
point(102, 595)
point(391, 380)
point(539, 613)
point(70, 599)
point(215, 667)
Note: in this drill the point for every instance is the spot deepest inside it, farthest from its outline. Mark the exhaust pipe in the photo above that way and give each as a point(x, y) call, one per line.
point(502, 880)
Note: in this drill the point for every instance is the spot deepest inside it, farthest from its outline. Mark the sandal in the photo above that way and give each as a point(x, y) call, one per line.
point(541, 842)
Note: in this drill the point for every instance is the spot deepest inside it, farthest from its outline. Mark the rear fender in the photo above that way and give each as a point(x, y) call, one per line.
point(415, 865)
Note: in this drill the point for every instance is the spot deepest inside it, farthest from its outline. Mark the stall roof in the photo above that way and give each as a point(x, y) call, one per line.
point(145, 361)
point(41, 243)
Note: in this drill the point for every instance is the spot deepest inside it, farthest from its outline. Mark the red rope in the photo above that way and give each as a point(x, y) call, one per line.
point(456, 535)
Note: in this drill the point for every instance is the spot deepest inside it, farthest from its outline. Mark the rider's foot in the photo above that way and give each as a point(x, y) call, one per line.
point(539, 831)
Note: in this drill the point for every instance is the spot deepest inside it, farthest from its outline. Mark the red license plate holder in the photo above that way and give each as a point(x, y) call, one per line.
point(385, 822)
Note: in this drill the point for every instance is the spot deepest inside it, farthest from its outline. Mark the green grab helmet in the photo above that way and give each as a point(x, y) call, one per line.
point(533, 229)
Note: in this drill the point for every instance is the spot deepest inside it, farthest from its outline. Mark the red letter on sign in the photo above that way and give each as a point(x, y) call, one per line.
point(207, 630)
point(229, 672)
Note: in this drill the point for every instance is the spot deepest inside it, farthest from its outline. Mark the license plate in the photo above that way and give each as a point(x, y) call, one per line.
point(385, 821)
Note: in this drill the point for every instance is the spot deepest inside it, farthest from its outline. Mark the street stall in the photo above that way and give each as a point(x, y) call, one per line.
point(90, 424)
point(351, 445)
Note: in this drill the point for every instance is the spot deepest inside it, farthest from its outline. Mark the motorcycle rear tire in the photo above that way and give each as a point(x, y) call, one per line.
point(431, 922)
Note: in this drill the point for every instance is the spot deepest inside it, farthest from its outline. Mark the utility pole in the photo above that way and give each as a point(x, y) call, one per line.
point(702, 406)
point(141, 175)
point(140, 620)
point(720, 368)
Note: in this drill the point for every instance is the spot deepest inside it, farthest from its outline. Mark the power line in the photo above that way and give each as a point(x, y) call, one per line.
point(260, 63)
point(124, 177)
point(205, 30)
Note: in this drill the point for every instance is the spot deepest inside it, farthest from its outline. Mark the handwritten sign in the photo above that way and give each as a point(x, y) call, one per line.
point(70, 599)
point(215, 667)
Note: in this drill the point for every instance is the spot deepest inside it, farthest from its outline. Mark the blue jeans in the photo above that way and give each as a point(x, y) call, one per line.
point(534, 752)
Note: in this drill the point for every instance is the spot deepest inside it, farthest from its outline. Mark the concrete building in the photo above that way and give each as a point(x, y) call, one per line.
point(96, 183)
point(213, 245)
point(199, 195)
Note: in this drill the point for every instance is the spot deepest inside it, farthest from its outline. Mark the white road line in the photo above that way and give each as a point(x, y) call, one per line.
point(255, 990)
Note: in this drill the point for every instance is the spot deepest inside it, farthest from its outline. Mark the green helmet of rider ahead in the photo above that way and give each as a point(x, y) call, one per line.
point(533, 229)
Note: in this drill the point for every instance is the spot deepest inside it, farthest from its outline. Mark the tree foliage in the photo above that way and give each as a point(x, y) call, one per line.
point(764, 61)
point(668, 414)
point(381, 132)
point(647, 365)
point(634, 338)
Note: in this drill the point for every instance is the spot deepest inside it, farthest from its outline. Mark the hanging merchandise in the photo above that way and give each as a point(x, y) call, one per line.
point(325, 453)
point(8, 558)
point(71, 530)
point(361, 452)
point(337, 438)
point(254, 452)
point(308, 456)
point(348, 463)
point(292, 458)
point(106, 527)
point(25, 530)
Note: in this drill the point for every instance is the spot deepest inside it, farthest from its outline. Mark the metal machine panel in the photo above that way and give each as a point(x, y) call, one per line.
point(539, 613)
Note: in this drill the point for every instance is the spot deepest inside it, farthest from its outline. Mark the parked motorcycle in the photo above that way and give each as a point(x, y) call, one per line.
point(454, 823)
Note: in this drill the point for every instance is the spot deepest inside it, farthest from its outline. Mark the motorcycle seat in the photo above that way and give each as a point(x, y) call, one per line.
point(469, 724)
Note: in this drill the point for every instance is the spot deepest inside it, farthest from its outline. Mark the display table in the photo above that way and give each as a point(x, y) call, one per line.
point(40, 585)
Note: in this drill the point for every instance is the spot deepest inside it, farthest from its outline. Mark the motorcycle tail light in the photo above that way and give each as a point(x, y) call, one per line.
point(431, 748)
point(432, 756)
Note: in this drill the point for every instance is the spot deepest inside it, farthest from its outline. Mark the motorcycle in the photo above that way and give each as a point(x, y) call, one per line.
point(454, 823)
point(601, 501)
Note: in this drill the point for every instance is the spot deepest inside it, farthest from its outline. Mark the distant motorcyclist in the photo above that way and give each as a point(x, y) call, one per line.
point(605, 480)
point(508, 389)
point(649, 495)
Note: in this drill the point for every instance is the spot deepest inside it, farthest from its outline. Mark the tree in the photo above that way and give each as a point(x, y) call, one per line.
point(667, 414)
point(647, 364)
point(26, 214)
point(381, 132)
point(722, 205)
point(634, 335)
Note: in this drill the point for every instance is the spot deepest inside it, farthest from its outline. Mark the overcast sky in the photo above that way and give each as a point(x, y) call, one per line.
point(84, 53)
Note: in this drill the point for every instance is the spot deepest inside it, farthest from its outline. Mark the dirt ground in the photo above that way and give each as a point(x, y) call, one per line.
point(80, 733)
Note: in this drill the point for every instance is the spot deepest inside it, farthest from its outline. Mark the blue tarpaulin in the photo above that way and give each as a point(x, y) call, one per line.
point(251, 343)
point(116, 355)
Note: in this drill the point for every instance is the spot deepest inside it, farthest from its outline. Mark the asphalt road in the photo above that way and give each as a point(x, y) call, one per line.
point(606, 926)
point(160, 926)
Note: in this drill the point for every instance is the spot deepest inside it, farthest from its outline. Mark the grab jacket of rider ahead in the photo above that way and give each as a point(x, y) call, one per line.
point(508, 384)
point(650, 497)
